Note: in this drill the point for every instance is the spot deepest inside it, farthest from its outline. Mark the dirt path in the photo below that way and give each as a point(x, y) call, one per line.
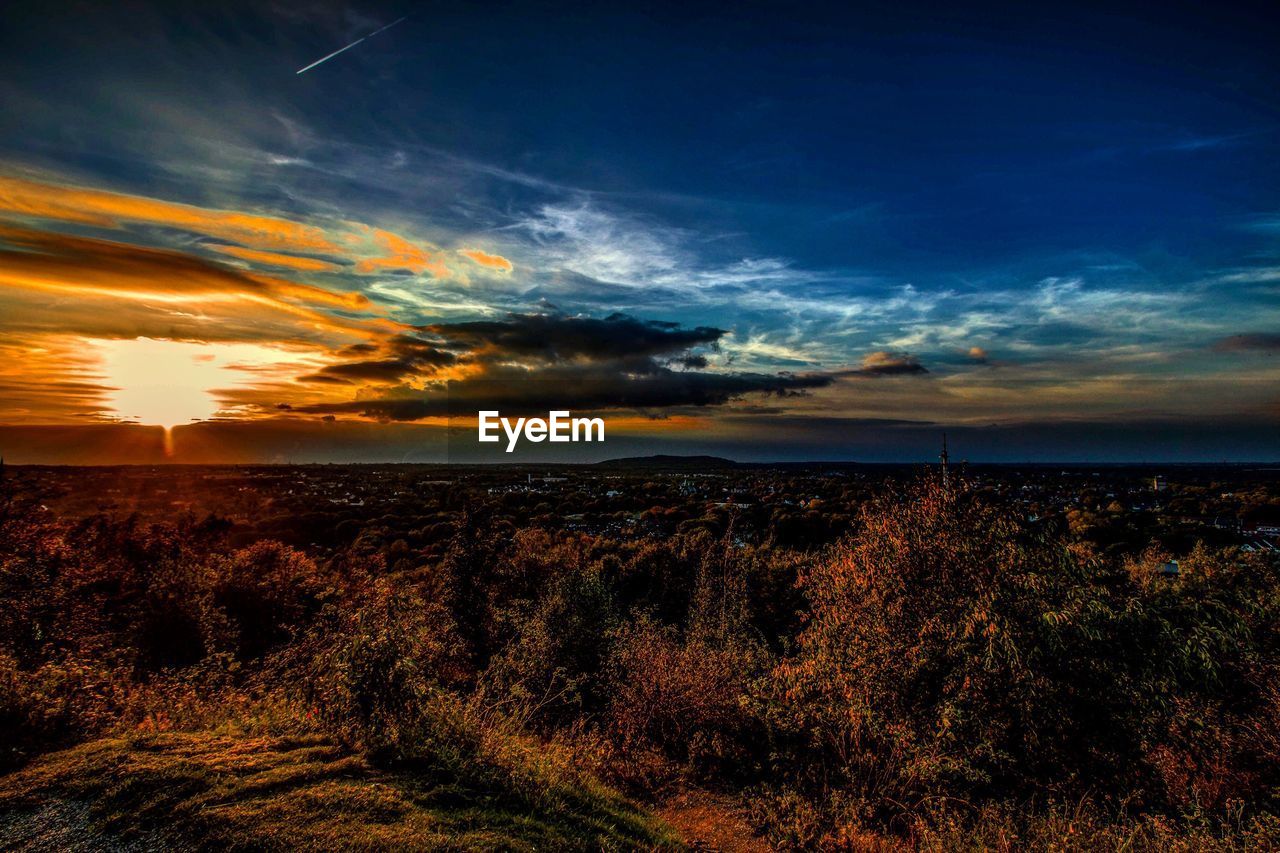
point(710, 821)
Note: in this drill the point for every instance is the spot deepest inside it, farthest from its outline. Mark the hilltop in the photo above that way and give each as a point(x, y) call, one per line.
point(666, 461)
point(212, 790)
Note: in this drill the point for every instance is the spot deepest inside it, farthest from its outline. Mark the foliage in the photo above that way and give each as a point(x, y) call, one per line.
point(946, 676)
point(369, 675)
point(949, 654)
point(551, 671)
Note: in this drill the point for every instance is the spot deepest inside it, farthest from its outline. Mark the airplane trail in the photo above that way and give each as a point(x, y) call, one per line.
point(353, 44)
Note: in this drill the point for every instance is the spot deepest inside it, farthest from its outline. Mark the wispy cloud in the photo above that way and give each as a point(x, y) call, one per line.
point(317, 279)
point(487, 260)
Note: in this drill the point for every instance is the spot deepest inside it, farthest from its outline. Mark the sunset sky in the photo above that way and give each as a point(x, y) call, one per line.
point(765, 231)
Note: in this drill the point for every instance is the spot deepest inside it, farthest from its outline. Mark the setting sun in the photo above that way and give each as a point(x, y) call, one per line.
point(164, 383)
point(171, 383)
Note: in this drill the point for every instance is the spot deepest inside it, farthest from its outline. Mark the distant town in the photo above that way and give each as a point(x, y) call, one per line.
point(1118, 509)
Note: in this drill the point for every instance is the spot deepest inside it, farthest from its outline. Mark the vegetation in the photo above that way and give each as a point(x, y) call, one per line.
point(296, 792)
point(945, 676)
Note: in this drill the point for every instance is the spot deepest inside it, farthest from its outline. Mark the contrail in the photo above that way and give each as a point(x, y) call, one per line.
point(353, 44)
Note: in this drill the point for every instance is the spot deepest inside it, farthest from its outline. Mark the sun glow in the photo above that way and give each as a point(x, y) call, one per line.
point(171, 383)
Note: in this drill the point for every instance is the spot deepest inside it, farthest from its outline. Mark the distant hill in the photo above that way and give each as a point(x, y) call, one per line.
point(666, 461)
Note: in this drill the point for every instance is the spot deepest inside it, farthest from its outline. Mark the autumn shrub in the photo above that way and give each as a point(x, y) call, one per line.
point(54, 704)
point(269, 593)
point(367, 673)
point(656, 576)
point(111, 590)
point(33, 558)
point(950, 653)
point(529, 561)
point(551, 672)
point(686, 698)
point(775, 602)
point(463, 581)
point(683, 691)
point(1218, 624)
point(388, 676)
point(170, 619)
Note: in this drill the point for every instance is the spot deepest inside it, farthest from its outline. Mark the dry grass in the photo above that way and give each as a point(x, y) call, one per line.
point(203, 791)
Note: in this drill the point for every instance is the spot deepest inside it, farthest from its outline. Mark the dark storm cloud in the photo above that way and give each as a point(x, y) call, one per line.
point(555, 338)
point(409, 356)
point(585, 389)
point(692, 362)
point(386, 370)
point(1253, 342)
point(536, 362)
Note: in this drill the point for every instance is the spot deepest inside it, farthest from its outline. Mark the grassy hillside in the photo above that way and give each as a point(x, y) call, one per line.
point(210, 791)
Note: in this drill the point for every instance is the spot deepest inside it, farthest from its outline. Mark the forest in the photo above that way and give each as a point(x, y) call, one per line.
point(938, 673)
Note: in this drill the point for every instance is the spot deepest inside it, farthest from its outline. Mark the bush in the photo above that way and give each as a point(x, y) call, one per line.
point(269, 593)
point(369, 673)
point(56, 704)
point(551, 672)
point(950, 654)
point(688, 700)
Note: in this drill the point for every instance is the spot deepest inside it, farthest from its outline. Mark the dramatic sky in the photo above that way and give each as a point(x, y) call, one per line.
point(767, 231)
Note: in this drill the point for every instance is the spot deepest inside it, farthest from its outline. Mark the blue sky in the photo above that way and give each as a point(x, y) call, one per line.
point(989, 217)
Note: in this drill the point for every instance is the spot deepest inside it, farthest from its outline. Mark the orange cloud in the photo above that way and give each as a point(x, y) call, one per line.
point(65, 262)
point(315, 295)
point(171, 294)
point(400, 254)
point(885, 363)
point(58, 293)
point(484, 259)
point(108, 209)
point(262, 239)
point(49, 378)
point(278, 260)
point(64, 288)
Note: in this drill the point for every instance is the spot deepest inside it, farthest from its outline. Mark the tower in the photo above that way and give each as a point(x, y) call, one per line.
point(943, 457)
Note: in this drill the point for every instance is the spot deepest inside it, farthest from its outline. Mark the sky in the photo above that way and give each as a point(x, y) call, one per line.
point(757, 230)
